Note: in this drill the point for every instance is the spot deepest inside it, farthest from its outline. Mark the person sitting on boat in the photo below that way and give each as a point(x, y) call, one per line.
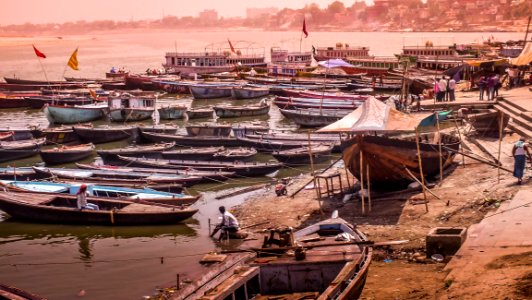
point(519, 152)
point(82, 199)
point(113, 70)
point(228, 225)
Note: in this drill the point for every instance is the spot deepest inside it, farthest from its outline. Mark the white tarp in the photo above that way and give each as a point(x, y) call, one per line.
point(525, 57)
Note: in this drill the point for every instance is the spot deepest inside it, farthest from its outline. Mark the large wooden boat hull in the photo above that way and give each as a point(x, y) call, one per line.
point(16, 102)
point(210, 92)
point(235, 112)
point(315, 117)
point(487, 122)
point(61, 209)
point(249, 93)
point(72, 114)
point(130, 114)
point(172, 112)
point(387, 158)
point(152, 151)
point(58, 156)
point(105, 135)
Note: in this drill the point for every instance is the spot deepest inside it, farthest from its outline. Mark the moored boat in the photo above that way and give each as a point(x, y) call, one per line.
point(65, 154)
point(9, 292)
point(199, 113)
point(172, 112)
point(57, 114)
point(196, 153)
point(62, 209)
point(161, 128)
point(60, 135)
point(7, 136)
point(235, 154)
point(128, 108)
point(249, 92)
point(11, 150)
point(104, 134)
point(206, 129)
point(486, 122)
point(13, 102)
point(301, 156)
point(150, 151)
point(192, 141)
point(313, 117)
point(210, 91)
point(227, 111)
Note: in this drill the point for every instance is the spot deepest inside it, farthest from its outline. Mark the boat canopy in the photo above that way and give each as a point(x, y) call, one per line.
point(374, 115)
point(525, 57)
point(486, 63)
point(334, 63)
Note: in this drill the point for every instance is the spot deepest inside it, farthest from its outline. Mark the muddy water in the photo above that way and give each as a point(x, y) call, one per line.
point(59, 261)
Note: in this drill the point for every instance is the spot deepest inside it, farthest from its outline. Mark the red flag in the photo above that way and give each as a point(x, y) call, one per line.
point(231, 46)
point(305, 28)
point(38, 53)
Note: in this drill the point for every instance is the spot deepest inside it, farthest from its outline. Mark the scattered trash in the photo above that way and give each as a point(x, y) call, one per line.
point(437, 257)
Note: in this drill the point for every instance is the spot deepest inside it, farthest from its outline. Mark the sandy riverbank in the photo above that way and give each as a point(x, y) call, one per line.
point(472, 192)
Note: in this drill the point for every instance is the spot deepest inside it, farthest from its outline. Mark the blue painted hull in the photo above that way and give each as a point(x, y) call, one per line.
point(72, 115)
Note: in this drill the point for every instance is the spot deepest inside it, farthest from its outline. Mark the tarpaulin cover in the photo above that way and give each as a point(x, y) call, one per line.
point(374, 115)
point(525, 57)
point(486, 63)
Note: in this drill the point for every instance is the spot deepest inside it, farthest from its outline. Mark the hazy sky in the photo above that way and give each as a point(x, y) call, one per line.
point(46, 11)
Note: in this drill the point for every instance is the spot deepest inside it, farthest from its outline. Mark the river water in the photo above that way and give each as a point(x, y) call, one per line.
point(59, 261)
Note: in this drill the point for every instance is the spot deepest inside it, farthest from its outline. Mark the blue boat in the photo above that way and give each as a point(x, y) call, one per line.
point(101, 191)
point(172, 112)
point(58, 114)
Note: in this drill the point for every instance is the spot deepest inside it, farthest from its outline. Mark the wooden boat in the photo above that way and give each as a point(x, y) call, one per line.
point(209, 129)
point(65, 154)
point(105, 134)
point(196, 153)
point(293, 103)
point(301, 156)
point(172, 112)
point(129, 108)
point(278, 142)
point(150, 151)
point(13, 173)
point(13, 102)
point(13, 80)
point(235, 154)
point(210, 91)
point(376, 87)
point(57, 114)
point(326, 260)
point(22, 133)
point(313, 117)
point(486, 122)
point(325, 95)
point(240, 168)
point(116, 75)
point(207, 176)
point(38, 102)
point(38, 87)
point(227, 111)
point(389, 157)
point(192, 141)
point(19, 149)
point(249, 92)
point(7, 136)
point(242, 129)
point(60, 135)
point(161, 128)
point(199, 113)
point(62, 209)
point(9, 292)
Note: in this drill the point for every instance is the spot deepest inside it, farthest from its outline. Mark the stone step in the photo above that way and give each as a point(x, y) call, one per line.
point(512, 103)
point(517, 119)
point(515, 110)
point(520, 130)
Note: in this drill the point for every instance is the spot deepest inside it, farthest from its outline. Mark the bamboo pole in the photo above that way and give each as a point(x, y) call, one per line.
point(439, 147)
point(312, 170)
point(461, 142)
point(421, 170)
point(362, 181)
point(369, 187)
point(501, 121)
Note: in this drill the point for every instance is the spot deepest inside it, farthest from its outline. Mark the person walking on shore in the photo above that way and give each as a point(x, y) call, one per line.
point(497, 85)
point(452, 88)
point(520, 151)
point(442, 86)
point(490, 87)
point(481, 86)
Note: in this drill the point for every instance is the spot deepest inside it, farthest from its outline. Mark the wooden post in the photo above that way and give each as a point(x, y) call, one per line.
point(501, 121)
point(312, 170)
point(439, 147)
point(362, 181)
point(209, 226)
point(461, 142)
point(421, 170)
point(178, 283)
point(369, 187)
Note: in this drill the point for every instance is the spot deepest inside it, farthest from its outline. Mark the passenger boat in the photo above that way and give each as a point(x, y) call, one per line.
point(73, 114)
point(435, 57)
point(326, 260)
point(60, 135)
point(313, 117)
point(10, 292)
point(209, 91)
point(62, 209)
point(248, 169)
point(249, 92)
point(227, 111)
point(11, 150)
point(341, 51)
point(235, 154)
point(371, 65)
point(105, 134)
point(128, 108)
point(65, 154)
point(150, 151)
point(208, 62)
point(199, 113)
point(196, 153)
point(172, 112)
point(119, 178)
point(207, 176)
point(286, 63)
point(301, 156)
point(206, 129)
point(486, 122)
point(192, 141)
point(7, 136)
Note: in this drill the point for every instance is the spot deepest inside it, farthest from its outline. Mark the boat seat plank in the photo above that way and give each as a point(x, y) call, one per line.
point(227, 287)
point(31, 199)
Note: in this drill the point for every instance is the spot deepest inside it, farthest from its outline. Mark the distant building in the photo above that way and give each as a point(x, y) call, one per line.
point(208, 15)
point(255, 12)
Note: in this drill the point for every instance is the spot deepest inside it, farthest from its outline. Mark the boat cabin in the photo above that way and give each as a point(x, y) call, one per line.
point(212, 59)
point(280, 56)
point(288, 69)
point(340, 51)
point(128, 101)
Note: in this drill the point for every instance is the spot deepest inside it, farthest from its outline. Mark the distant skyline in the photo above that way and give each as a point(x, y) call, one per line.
point(60, 11)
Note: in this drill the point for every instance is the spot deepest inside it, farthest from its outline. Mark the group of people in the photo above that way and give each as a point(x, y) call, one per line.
point(444, 89)
point(490, 86)
point(115, 70)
